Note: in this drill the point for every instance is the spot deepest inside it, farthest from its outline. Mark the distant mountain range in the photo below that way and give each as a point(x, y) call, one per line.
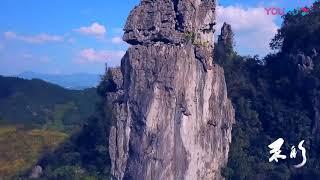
point(76, 81)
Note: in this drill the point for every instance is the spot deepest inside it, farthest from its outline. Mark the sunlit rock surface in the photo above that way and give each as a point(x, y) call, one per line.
point(171, 115)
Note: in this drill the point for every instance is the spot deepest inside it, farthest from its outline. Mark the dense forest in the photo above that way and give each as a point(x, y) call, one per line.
point(36, 103)
point(84, 154)
point(277, 96)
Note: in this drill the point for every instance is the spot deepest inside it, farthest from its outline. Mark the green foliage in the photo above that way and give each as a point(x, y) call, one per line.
point(85, 154)
point(192, 37)
point(60, 110)
point(297, 30)
point(20, 148)
point(272, 100)
point(29, 104)
point(36, 103)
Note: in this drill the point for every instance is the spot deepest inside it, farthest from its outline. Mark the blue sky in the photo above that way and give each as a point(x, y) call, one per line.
point(72, 36)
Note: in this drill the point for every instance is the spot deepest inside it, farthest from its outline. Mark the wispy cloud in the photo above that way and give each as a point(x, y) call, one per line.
point(27, 56)
point(40, 38)
point(91, 55)
point(71, 40)
point(35, 58)
point(117, 40)
point(94, 29)
point(253, 28)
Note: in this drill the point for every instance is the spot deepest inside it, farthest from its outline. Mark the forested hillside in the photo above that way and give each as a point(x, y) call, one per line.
point(275, 97)
point(37, 117)
point(85, 154)
point(40, 104)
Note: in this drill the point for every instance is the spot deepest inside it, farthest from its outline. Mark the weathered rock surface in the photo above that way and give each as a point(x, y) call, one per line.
point(171, 115)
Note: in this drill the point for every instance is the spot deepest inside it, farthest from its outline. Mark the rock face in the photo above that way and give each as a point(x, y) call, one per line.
point(171, 115)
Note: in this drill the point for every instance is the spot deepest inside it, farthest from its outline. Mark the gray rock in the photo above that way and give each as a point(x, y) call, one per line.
point(304, 63)
point(174, 119)
point(226, 36)
point(314, 52)
point(36, 172)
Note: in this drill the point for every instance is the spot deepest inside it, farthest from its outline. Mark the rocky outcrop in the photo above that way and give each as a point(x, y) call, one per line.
point(223, 51)
point(36, 172)
point(304, 63)
point(171, 115)
point(226, 36)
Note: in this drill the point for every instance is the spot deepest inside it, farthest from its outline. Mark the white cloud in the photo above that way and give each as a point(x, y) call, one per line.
point(94, 29)
point(40, 38)
point(253, 28)
point(71, 40)
point(35, 58)
point(117, 40)
point(10, 35)
point(91, 55)
point(27, 56)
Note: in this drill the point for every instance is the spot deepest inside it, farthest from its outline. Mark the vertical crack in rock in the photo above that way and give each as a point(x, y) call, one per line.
point(171, 115)
point(178, 16)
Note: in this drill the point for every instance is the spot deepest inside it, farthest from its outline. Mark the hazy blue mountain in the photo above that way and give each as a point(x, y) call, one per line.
point(76, 81)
